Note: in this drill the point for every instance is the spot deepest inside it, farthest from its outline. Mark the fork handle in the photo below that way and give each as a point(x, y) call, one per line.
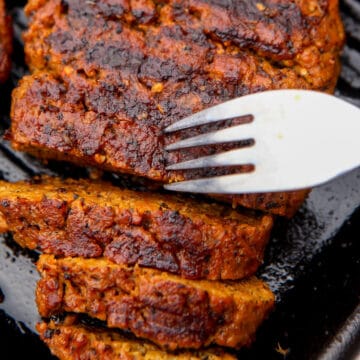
point(348, 141)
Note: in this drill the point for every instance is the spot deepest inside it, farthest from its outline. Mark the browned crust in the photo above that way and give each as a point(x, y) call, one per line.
point(5, 43)
point(102, 97)
point(170, 233)
point(279, 203)
point(72, 340)
point(166, 309)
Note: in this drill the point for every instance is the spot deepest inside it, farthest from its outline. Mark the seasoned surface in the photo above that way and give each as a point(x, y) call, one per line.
point(171, 311)
point(109, 76)
point(5, 43)
point(72, 340)
point(167, 232)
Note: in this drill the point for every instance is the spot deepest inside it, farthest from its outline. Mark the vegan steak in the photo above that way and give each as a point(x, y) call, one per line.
point(71, 339)
point(108, 77)
point(166, 232)
point(5, 43)
point(170, 311)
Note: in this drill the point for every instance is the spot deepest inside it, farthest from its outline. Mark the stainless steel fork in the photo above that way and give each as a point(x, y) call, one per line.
point(302, 139)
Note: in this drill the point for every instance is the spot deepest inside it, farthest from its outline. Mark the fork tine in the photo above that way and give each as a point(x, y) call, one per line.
point(234, 133)
point(237, 157)
point(227, 184)
point(253, 104)
point(228, 110)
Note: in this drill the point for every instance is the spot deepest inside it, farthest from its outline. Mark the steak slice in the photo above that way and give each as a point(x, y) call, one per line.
point(167, 232)
point(109, 76)
point(170, 311)
point(72, 340)
point(5, 43)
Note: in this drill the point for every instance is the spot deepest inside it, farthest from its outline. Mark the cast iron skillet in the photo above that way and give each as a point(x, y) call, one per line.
point(312, 262)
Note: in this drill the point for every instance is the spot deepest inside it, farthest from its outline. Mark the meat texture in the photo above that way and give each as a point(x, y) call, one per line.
point(72, 340)
point(5, 43)
point(170, 311)
point(171, 233)
point(109, 76)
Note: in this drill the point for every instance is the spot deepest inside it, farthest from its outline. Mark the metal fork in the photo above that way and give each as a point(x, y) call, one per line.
point(302, 139)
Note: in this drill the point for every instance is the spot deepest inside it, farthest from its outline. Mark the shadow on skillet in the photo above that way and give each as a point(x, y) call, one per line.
point(312, 261)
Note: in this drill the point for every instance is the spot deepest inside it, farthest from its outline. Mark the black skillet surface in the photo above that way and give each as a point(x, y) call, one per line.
point(312, 262)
